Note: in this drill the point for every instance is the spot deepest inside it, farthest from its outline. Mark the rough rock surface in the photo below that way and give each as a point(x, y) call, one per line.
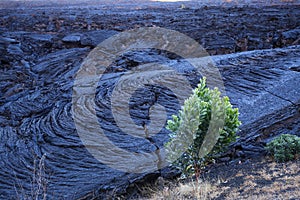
point(36, 120)
point(38, 69)
point(220, 30)
point(263, 85)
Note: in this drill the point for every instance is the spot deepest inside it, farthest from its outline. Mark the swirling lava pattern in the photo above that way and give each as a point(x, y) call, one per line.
point(37, 119)
point(112, 147)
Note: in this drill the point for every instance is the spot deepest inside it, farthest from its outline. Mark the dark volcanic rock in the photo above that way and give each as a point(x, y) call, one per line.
point(42, 52)
point(14, 49)
point(93, 38)
point(10, 49)
point(38, 41)
point(72, 38)
point(90, 38)
point(264, 89)
point(220, 30)
point(292, 36)
point(41, 38)
point(39, 121)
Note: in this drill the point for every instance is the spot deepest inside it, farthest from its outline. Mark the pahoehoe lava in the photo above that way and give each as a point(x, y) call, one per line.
point(42, 49)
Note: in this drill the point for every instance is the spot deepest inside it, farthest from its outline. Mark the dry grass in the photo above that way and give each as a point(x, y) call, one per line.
point(165, 190)
point(258, 181)
point(39, 181)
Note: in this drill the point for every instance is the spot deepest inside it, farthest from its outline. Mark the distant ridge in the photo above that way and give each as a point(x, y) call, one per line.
point(55, 3)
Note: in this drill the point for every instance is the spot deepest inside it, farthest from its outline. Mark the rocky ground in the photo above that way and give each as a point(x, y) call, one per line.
point(259, 178)
point(42, 48)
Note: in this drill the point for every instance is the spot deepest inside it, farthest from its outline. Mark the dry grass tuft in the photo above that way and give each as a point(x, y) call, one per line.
point(39, 181)
point(188, 190)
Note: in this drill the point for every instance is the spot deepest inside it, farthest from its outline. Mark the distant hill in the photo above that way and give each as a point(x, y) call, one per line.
point(42, 3)
point(53, 3)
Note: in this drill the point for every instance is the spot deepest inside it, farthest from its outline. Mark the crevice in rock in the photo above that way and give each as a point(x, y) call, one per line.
point(280, 97)
point(157, 151)
point(295, 69)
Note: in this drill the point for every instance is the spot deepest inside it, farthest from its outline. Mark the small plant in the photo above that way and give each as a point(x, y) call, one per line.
point(204, 127)
point(284, 148)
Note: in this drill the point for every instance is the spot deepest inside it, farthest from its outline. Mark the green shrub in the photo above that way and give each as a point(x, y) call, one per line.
point(204, 127)
point(284, 148)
